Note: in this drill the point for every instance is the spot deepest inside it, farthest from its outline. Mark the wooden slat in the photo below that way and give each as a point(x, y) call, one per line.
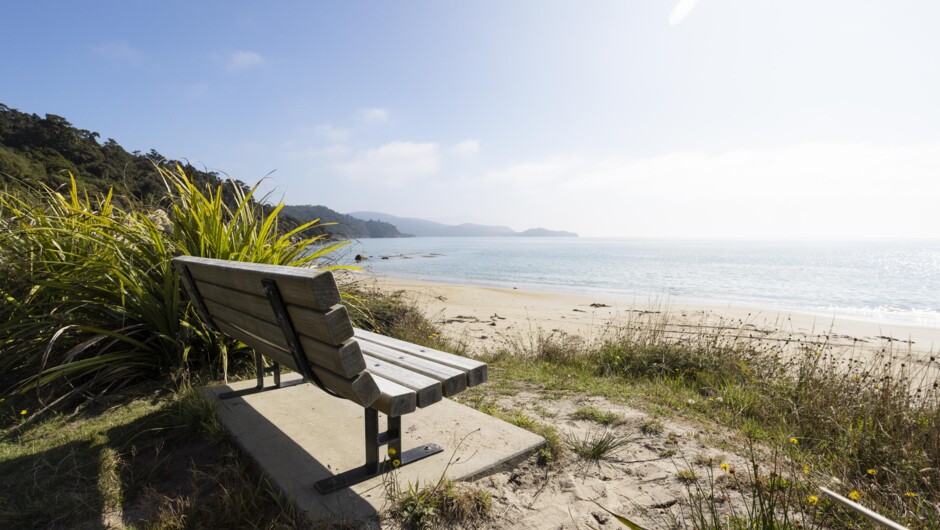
point(394, 399)
point(427, 390)
point(331, 326)
point(361, 389)
point(452, 380)
point(476, 370)
point(304, 287)
point(345, 359)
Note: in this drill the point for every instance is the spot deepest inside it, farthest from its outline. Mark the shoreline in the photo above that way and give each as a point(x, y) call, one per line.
point(483, 317)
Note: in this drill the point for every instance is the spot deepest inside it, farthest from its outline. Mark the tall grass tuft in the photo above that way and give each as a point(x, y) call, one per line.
point(90, 302)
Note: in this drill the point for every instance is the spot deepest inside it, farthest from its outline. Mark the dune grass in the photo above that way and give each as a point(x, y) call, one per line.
point(90, 303)
point(871, 421)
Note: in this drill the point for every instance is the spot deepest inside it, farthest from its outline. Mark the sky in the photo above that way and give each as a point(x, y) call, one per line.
point(636, 118)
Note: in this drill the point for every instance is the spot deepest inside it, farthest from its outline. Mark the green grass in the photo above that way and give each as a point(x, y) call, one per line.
point(437, 505)
point(598, 444)
point(602, 417)
point(152, 459)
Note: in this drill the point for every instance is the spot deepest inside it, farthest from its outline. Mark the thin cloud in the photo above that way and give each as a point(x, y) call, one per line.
point(682, 10)
point(331, 133)
point(394, 163)
point(243, 60)
point(468, 147)
point(122, 52)
point(372, 115)
point(800, 190)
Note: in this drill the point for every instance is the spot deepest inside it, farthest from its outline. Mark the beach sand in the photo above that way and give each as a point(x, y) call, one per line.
point(483, 318)
point(642, 480)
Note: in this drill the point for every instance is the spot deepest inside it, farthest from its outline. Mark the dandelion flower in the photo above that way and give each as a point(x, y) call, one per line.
point(725, 467)
point(23, 412)
point(872, 472)
point(910, 494)
point(855, 495)
point(794, 441)
point(806, 469)
point(396, 462)
point(391, 451)
point(812, 500)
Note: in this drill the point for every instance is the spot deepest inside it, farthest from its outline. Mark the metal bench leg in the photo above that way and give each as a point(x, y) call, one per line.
point(374, 466)
point(260, 370)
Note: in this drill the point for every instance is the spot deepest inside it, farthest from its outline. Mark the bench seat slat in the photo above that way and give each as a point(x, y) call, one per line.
point(452, 380)
point(345, 359)
point(476, 370)
point(299, 286)
point(394, 399)
point(360, 389)
point(331, 326)
point(427, 390)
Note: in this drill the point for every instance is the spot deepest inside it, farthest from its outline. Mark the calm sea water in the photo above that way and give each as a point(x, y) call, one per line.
point(884, 280)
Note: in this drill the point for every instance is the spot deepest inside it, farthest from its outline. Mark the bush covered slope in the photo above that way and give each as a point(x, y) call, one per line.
point(44, 150)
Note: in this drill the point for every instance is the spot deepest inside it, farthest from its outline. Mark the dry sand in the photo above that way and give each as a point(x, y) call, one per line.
point(642, 480)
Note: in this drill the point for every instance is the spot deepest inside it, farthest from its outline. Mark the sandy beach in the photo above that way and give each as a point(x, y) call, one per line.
point(484, 317)
point(641, 481)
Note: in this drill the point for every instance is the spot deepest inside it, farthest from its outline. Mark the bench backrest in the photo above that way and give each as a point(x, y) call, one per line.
point(231, 296)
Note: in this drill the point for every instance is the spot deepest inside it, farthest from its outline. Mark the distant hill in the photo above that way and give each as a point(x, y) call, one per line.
point(544, 232)
point(425, 228)
point(346, 226)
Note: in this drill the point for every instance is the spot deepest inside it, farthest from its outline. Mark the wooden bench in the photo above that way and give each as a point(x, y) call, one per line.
point(294, 317)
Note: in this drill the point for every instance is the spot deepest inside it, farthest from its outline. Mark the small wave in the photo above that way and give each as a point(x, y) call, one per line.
point(918, 316)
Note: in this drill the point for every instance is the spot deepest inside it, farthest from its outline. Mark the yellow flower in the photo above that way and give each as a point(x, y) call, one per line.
point(812, 500)
point(872, 472)
point(910, 494)
point(23, 412)
point(391, 451)
point(396, 462)
point(806, 469)
point(794, 441)
point(725, 466)
point(854, 495)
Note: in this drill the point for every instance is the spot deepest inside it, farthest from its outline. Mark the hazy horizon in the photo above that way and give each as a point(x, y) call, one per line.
point(678, 119)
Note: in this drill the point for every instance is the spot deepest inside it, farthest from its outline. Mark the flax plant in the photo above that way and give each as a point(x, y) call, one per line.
point(89, 300)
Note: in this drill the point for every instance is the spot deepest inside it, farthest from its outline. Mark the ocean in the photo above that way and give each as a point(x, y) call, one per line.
point(871, 280)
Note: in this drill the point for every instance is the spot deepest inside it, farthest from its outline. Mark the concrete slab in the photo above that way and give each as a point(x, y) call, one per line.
point(299, 435)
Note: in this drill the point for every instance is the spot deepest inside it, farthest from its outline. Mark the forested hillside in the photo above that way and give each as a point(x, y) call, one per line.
point(346, 226)
point(44, 150)
point(36, 149)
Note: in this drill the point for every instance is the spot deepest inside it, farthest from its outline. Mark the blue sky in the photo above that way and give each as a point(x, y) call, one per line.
point(709, 118)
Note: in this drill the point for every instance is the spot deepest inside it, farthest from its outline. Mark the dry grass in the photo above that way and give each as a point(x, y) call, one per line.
point(869, 419)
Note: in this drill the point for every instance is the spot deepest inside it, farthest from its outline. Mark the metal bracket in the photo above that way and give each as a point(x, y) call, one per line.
point(196, 297)
point(290, 334)
point(373, 467)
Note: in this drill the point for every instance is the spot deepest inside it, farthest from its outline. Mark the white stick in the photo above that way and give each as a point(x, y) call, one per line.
point(854, 506)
